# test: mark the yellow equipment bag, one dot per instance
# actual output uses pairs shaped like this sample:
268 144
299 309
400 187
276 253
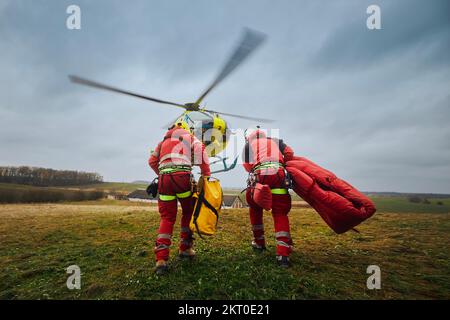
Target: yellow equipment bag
207 206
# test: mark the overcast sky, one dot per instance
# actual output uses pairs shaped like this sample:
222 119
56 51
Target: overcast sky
373 106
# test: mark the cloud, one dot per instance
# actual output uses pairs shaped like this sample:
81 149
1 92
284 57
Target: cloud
407 26
373 106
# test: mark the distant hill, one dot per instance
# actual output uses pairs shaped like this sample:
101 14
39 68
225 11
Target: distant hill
141 182
406 194
46 177
115 187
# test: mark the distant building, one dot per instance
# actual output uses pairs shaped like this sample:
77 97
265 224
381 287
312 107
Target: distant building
141 196
116 196
229 201
232 202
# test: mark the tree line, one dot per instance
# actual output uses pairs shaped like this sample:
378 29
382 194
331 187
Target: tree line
36 194
44 177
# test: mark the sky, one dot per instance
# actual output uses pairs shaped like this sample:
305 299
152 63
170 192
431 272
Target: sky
373 106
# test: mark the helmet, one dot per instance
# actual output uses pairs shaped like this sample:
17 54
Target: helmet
253 132
183 124
249 132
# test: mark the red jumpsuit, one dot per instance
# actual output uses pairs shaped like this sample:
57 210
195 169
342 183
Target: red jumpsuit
172 161
270 154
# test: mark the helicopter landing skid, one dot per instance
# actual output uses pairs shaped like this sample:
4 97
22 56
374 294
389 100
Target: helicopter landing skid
224 162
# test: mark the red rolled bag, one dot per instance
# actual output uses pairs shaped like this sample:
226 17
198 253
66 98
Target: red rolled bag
339 204
262 195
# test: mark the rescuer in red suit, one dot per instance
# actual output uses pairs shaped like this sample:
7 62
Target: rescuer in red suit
264 159
172 161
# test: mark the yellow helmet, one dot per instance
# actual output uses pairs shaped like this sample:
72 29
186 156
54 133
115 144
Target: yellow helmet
183 124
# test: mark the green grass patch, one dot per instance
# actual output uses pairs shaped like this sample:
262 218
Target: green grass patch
112 242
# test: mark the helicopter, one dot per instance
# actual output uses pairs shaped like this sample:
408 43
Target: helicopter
206 124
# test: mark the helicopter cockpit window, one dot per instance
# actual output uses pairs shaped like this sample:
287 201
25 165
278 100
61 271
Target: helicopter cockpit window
199 121
197 117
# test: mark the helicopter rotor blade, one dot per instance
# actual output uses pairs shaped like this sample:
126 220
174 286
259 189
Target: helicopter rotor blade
93 84
250 41
241 117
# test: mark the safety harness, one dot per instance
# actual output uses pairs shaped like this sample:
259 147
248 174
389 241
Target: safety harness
182 195
165 197
268 165
174 166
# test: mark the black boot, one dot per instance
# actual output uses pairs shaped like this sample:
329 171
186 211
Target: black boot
283 262
257 248
161 268
188 254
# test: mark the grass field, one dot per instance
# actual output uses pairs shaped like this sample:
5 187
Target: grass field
397 203
120 187
112 243
402 205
